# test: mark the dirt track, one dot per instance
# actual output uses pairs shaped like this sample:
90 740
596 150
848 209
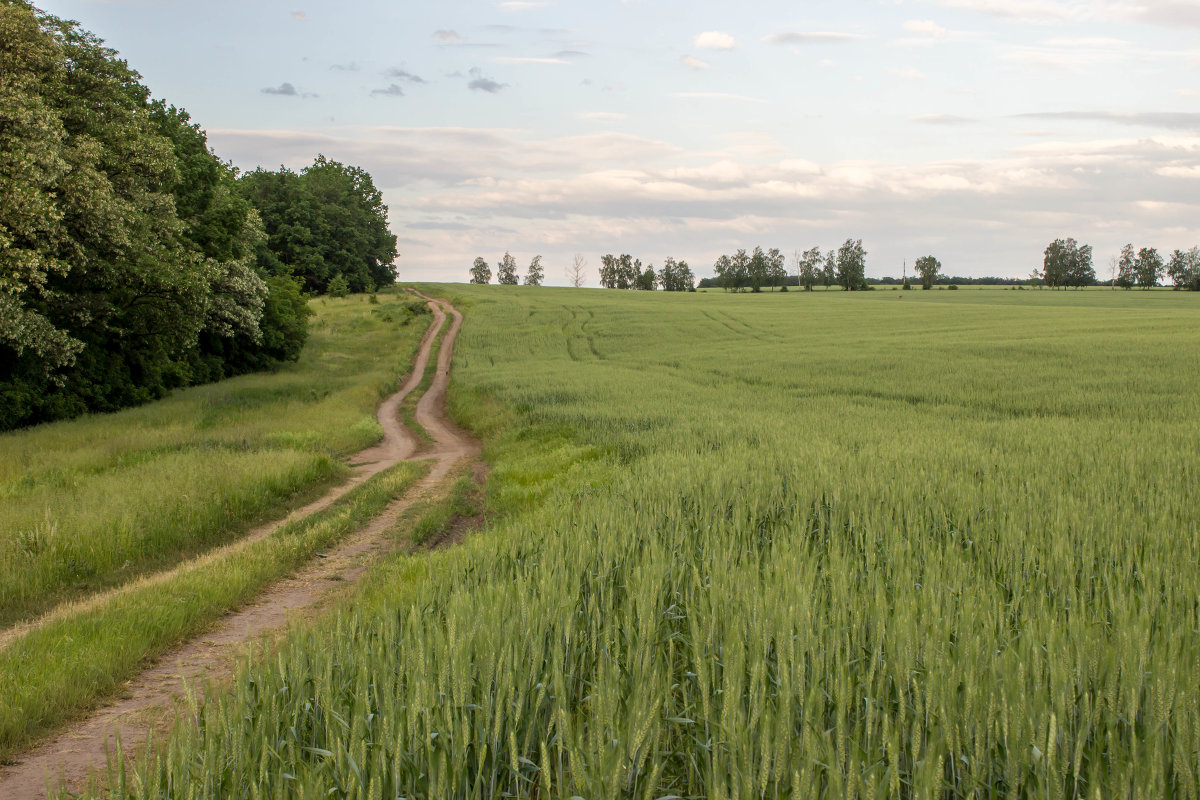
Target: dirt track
149 699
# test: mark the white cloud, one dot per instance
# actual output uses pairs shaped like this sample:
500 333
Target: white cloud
1192 172
715 40
299 15
693 62
925 27
907 73
812 37
528 60
718 96
612 116
521 5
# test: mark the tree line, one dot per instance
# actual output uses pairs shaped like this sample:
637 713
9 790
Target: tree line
616 272
132 259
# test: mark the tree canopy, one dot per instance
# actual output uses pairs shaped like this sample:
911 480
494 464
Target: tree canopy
132 259
1067 263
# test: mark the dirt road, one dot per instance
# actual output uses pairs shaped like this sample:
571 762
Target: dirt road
149 699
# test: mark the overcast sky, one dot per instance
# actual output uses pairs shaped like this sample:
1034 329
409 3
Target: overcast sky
973 130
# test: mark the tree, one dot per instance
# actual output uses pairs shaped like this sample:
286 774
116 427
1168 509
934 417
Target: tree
647 281
852 265
576 274
808 267
723 266
1126 268
481 273
829 273
928 268
338 287
756 270
739 265
506 270
535 274
676 276
776 269
1149 267
326 220
1184 269
1066 263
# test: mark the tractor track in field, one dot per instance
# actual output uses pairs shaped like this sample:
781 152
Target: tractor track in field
149 701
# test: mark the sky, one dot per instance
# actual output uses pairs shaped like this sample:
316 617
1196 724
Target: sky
977 131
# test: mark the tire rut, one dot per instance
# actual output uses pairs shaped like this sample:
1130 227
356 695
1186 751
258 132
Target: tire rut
149 701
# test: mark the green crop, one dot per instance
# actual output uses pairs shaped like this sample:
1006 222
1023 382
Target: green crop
888 545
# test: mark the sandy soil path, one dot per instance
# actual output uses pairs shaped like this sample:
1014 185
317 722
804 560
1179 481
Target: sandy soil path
149 700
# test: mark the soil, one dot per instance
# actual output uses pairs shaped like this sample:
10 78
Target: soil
151 701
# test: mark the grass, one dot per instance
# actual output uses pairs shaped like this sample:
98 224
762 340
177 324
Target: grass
61 669
922 544
99 501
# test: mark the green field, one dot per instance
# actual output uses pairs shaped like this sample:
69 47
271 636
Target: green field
890 544
99 501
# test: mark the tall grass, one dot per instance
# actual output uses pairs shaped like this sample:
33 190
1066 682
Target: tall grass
101 500
777 546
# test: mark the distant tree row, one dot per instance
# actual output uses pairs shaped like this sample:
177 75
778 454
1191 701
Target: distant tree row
846 267
626 272
506 271
132 259
1146 268
752 271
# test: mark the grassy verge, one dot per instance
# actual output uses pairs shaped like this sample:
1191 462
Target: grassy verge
102 500
60 670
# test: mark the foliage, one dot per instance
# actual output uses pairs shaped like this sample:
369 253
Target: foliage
1149 267
1067 263
338 287
1184 269
619 272
326 220
1127 268
481 273
808 267
820 571
536 273
506 270
852 265
127 255
928 268
676 276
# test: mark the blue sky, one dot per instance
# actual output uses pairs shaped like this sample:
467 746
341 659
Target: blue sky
973 130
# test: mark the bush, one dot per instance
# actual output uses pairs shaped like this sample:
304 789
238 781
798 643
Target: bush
952 286
338 287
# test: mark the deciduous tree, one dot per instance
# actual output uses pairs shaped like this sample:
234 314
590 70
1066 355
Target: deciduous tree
535 273
576 273
852 265
481 273
1127 268
506 270
808 267
1149 267
928 268
1067 263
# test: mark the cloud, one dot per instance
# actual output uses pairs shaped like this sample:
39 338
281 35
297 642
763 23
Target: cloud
448 36
481 83
693 62
299 15
715 40
284 89
1172 120
521 5
942 119
1169 13
812 37
393 90
455 187
570 54
396 72
907 73
602 115
925 27
717 96
528 60
351 67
